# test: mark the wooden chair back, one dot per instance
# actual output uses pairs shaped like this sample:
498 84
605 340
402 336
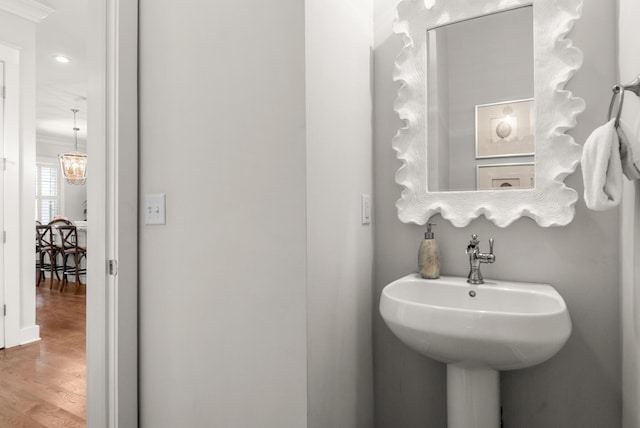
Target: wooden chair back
68 237
60 222
44 237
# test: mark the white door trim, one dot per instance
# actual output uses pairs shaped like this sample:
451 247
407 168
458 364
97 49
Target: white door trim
12 202
112 377
2 160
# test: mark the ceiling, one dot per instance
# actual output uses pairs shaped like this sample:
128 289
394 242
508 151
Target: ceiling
62 87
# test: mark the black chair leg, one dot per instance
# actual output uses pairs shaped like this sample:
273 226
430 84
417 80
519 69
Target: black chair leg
55 265
64 272
76 259
52 265
40 267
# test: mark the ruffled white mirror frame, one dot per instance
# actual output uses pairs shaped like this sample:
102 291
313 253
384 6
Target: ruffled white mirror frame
551 202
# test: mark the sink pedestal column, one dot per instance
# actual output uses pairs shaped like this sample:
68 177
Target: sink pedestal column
473 397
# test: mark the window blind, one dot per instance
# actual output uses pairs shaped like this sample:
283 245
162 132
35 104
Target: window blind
47 192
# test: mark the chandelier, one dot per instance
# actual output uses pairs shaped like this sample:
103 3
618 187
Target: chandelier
74 164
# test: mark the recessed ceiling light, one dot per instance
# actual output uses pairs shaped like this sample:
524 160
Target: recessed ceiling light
62 59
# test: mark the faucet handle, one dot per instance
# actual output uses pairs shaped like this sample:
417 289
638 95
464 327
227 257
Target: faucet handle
474 240
491 241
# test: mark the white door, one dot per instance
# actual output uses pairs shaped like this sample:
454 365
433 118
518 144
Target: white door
112 198
2 307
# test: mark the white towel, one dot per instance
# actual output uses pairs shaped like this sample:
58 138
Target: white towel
629 152
602 168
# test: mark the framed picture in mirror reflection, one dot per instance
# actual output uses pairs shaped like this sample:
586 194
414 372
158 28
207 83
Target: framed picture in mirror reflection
509 176
505 129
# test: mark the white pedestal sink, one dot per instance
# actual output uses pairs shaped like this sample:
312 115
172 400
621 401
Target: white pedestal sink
476 330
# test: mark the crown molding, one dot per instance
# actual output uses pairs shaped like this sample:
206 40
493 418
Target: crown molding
31 10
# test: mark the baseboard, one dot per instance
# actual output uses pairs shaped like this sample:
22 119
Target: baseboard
30 334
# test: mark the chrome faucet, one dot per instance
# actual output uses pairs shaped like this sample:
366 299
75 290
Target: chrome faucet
476 257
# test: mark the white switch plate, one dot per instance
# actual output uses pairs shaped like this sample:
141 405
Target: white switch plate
366 209
154 209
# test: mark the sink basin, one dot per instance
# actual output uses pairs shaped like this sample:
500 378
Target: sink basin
499 325
476 330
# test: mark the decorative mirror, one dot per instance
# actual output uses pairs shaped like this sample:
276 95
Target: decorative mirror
485 111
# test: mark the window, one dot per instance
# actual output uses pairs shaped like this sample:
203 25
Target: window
47 191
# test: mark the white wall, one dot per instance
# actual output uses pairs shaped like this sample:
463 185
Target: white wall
223 283
19 190
579 387
257 292
339 42
73 195
629 63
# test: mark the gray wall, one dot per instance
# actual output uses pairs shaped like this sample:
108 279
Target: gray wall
438 102
579 387
503 64
223 284
629 63
339 42
255 298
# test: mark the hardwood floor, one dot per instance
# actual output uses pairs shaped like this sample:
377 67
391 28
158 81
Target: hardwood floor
42 385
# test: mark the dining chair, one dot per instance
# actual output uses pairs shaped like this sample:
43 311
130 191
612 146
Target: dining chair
55 223
72 255
47 254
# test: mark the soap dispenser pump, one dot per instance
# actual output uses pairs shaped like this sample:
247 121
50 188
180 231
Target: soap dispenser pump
429 255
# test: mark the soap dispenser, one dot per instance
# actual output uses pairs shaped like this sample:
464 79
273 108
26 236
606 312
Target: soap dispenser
429 255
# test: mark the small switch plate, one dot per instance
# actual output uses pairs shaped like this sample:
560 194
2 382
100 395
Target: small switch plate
366 209
154 208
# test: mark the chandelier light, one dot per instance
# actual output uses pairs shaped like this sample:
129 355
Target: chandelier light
74 164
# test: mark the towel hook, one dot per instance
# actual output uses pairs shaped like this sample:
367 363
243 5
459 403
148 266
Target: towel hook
618 94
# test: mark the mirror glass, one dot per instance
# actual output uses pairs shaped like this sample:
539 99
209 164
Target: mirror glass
480 103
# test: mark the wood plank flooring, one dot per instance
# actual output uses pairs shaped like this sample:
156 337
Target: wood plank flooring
42 385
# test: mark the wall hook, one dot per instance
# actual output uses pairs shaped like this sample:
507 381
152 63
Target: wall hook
618 94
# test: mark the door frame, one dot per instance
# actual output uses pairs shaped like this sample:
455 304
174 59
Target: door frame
11 216
2 160
4 59
112 200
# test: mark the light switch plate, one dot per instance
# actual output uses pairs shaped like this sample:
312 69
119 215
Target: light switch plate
366 209
154 208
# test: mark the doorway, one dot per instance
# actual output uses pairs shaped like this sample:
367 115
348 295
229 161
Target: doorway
112 197
112 201
62 77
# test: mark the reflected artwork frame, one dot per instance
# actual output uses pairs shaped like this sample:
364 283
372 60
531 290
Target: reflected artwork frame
505 177
505 129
